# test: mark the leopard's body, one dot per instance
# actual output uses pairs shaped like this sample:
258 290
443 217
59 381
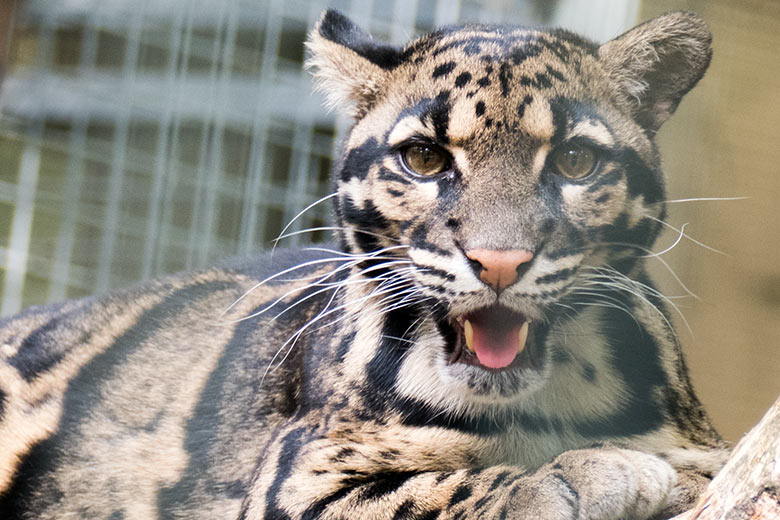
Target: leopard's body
372 381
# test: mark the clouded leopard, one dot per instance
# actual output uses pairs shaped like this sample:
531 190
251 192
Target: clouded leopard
483 342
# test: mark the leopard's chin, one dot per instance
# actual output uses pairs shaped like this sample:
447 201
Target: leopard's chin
504 361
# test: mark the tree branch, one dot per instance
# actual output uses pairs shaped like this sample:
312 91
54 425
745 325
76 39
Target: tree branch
748 486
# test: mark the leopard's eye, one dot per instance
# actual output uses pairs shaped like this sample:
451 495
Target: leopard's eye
425 160
574 160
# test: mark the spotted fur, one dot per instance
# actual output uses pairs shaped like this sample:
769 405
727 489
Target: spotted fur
332 383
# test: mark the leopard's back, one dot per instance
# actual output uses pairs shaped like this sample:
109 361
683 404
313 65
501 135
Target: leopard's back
162 384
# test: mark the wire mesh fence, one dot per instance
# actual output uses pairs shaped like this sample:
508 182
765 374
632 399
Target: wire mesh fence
139 138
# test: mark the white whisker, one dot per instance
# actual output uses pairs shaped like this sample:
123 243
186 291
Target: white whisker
679 238
699 199
396 338
357 255
650 254
347 257
320 280
705 246
373 294
351 280
611 278
334 228
296 217
293 339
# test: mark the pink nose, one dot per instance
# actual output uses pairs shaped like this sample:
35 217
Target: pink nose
499 268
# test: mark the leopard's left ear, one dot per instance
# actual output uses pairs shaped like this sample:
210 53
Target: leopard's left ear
658 62
349 65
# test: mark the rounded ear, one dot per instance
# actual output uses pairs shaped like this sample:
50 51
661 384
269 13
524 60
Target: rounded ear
658 62
348 65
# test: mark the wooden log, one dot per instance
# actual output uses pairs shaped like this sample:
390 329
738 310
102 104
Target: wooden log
748 486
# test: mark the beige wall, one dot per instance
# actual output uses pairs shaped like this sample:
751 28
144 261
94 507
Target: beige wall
8 10
725 141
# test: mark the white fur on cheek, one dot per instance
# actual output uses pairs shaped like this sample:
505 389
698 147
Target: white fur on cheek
572 194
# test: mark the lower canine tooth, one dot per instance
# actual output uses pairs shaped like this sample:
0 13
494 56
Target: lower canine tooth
522 337
469 333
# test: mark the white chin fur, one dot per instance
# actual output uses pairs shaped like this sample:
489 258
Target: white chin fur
427 376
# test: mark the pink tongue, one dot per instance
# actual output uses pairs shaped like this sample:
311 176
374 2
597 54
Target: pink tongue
495 347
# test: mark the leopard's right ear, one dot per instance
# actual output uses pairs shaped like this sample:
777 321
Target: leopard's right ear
658 62
348 65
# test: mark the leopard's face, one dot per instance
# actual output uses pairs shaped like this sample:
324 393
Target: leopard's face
500 173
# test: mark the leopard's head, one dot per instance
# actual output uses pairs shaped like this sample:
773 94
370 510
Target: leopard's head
491 169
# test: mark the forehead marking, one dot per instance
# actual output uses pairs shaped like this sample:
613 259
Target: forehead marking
463 120
505 76
439 115
538 118
594 130
462 79
540 158
407 127
522 104
474 40
443 70
461 158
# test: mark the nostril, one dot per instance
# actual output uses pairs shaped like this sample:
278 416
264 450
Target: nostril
475 265
522 269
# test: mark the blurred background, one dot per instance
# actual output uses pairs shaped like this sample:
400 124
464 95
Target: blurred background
141 137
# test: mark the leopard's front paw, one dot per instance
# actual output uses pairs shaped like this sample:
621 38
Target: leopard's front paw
598 484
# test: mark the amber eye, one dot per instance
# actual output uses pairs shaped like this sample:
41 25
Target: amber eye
425 160
574 160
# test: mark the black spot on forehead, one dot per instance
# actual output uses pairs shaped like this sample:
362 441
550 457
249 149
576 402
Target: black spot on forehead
538 81
509 52
555 73
440 116
522 104
462 79
468 44
502 42
434 111
521 53
505 77
587 46
443 69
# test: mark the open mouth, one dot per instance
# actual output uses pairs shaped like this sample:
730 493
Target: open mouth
494 338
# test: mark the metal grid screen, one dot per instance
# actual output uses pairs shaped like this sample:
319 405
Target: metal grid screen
139 138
